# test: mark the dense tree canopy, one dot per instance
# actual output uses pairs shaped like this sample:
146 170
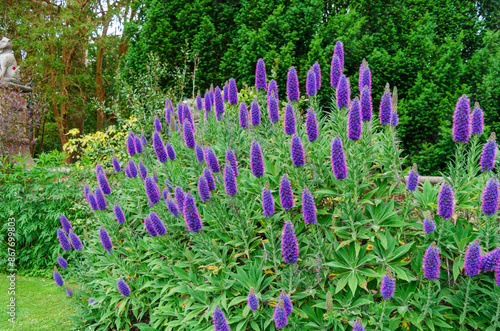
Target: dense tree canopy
433 51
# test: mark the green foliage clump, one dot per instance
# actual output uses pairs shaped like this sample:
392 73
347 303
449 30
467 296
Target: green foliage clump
34 198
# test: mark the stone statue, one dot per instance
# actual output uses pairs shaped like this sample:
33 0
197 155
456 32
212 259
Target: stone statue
9 72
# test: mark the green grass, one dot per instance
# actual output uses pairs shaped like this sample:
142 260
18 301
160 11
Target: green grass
40 305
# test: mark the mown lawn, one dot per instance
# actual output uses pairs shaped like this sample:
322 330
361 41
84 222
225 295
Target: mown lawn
40 305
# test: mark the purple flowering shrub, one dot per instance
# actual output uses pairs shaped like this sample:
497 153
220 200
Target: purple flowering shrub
275 214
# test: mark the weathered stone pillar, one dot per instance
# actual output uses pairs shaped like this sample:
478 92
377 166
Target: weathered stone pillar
13 124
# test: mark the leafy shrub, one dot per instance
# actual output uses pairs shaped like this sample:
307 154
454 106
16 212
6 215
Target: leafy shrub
35 197
369 230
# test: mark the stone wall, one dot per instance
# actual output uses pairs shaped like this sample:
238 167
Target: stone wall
13 128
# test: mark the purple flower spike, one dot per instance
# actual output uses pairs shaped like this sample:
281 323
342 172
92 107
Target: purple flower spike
497 274
131 144
297 151
120 216
203 190
256 160
159 148
101 201
179 198
63 240
132 168
143 170
149 227
461 120
122 287
429 224
386 106
92 202
127 172
152 191
75 241
489 204
233 92
187 116
243 115
230 180
286 193
446 203
105 240
488 155
172 207
311 126
199 103
116 165
358 325
335 71
431 262
225 93
191 215
69 292
289 245
311 83
472 259
199 154
157 224
343 92
365 77
272 90
477 120
339 51
62 262
274 114
231 158
260 75
210 179
317 74
157 124
138 145
255 112
168 109
308 207
208 104
394 118
354 127
252 300
66 225
360 79
267 201
366 104
280 317
490 260
287 303
289 120
388 285
292 85
211 159
412 183
219 320
339 165
180 113
219 103
57 277
189 135
170 151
